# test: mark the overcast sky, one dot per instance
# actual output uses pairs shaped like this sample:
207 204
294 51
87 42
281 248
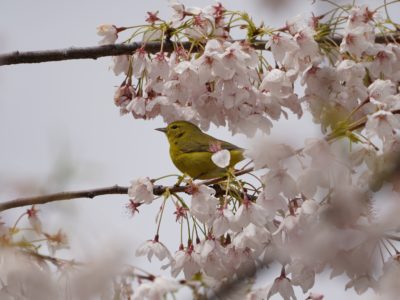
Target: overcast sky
60 130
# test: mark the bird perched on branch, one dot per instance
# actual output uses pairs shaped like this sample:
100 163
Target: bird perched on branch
198 154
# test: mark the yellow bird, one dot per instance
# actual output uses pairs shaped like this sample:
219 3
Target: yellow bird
191 150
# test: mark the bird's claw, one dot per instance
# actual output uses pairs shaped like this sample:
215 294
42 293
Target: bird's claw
180 179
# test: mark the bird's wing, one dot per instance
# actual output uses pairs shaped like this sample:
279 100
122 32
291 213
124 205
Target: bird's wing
195 144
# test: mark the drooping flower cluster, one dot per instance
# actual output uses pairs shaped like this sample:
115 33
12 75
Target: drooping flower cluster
215 87
314 211
222 82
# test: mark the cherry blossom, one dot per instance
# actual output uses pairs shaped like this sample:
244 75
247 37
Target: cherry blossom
387 280
359 32
380 92
120 64
282 286
108 32
315 296
279 181
253 237
140 62
288 224
210 257
309 181
186 261
309 207
277 82
204 203
179 12
247 213
156 289
284 49
123 96
273 158
361 284
383 124
153 247
383 62
309 53
221 158
222 221
34 219
319 151
301 275
57 241
141 190
357 41
271 204
159 66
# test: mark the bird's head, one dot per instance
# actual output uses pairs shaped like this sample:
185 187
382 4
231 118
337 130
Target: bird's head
179 129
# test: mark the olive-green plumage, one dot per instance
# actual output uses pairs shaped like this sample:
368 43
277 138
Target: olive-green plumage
191 150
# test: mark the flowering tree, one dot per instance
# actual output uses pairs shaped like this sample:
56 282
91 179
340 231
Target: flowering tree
307 210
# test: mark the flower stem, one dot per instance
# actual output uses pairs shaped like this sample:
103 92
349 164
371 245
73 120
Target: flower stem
17 221
161 215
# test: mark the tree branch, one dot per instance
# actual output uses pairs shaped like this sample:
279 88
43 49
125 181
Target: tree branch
30 57
158 190
91 52
80 53
54 260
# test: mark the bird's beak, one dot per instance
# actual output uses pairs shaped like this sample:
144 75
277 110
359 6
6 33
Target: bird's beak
162 129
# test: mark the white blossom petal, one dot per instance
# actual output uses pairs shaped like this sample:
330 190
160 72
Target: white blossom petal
221 158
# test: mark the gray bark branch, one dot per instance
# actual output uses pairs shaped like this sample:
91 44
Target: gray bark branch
31 57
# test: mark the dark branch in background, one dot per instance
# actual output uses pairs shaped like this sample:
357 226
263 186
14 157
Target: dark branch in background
116 189
30 57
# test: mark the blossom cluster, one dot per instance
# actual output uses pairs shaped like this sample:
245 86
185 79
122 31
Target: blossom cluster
314 210
222 83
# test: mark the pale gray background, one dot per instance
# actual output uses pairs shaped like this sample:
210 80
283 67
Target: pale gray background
60 130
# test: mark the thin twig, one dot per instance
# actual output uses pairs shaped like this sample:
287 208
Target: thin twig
54 260
158 190
355 126
62 196
95 52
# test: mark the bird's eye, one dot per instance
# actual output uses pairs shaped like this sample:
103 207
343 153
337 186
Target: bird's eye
174 126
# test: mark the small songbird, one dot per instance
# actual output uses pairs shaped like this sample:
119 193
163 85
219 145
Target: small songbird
191 150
